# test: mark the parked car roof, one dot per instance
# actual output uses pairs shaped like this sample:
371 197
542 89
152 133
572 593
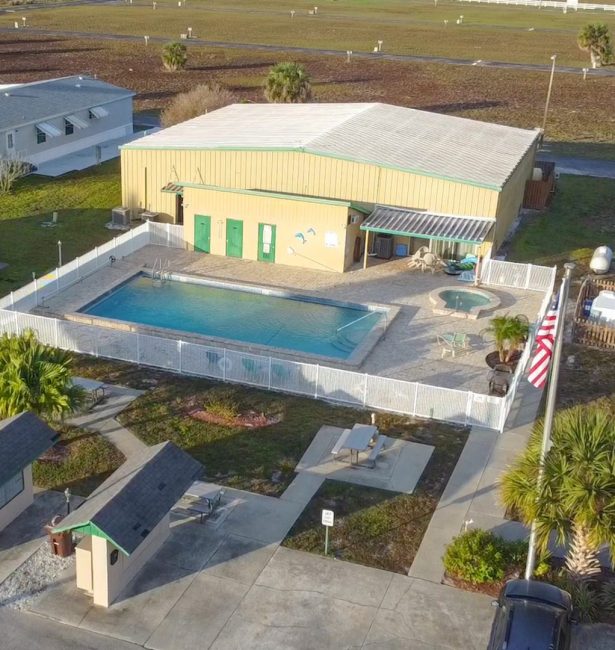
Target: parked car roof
538 591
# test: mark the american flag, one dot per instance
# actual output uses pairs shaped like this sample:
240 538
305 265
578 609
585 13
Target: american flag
545 339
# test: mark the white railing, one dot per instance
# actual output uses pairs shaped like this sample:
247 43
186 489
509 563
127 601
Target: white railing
497 273
322 382
40 289
555 4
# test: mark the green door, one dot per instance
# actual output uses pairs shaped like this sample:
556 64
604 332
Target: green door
202 233
266 242
234 238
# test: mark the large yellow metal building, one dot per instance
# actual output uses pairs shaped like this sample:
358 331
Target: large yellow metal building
315 185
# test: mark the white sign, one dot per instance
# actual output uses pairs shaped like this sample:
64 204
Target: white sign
327 517
331 240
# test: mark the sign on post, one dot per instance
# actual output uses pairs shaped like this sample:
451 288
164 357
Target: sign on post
327 521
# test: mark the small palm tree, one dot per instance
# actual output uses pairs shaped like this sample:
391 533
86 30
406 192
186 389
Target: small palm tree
174 56
509 332
596 39
576 500
35 377
288 83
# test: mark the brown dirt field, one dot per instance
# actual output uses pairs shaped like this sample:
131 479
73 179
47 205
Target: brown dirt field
580 111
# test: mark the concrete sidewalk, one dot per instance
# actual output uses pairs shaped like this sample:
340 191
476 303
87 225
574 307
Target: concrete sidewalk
101 418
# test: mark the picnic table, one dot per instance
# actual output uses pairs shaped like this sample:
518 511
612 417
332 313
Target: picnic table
356 440
96 389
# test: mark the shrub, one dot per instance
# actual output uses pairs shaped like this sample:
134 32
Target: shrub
201 99
174 56
222 407
480 557
584 601
607 596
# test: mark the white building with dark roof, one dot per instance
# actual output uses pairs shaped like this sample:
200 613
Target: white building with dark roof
43 121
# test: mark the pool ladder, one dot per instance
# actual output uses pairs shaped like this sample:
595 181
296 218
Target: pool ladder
161 271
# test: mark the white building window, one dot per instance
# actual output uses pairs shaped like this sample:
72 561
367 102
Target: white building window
11 489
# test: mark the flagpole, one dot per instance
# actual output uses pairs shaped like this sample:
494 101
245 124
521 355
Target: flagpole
550 406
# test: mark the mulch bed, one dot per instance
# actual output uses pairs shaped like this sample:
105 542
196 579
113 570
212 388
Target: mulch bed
248 420
56 454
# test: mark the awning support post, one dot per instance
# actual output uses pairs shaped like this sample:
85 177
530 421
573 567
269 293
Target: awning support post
366 249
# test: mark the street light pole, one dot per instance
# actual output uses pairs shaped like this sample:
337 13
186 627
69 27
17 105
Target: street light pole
544 119
550 407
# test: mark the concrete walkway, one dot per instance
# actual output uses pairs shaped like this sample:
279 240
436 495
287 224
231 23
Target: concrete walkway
101 418
471 497
580 166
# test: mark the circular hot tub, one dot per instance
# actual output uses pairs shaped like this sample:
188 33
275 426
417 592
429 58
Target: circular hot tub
463 302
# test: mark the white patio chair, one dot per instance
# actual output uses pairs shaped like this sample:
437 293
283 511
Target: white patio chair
431 262
415 259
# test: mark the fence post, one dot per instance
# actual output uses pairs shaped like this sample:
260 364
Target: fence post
269 380
365 391
138 348
416 397
179 351
16 323
224 366
168 225
96 344
527 276
57 337
490 263
469 406
316 384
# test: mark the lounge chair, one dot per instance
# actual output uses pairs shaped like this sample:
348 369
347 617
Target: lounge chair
467 276
415 259
454 343
431 262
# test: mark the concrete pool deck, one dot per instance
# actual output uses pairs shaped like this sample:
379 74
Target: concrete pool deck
409 350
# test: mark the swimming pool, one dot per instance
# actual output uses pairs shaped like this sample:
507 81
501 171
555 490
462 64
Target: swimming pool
251 315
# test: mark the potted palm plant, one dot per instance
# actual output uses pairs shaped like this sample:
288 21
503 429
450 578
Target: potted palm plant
509 333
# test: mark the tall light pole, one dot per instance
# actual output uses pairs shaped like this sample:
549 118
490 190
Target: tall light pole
544 119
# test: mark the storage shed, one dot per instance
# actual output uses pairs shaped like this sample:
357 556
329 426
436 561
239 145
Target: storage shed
126 519
296 183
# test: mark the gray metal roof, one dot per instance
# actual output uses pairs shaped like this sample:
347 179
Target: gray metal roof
39 100
429 225
136 497
23 438
433 144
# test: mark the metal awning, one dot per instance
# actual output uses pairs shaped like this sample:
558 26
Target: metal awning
77 122
428 225
99 111
173 188
49 130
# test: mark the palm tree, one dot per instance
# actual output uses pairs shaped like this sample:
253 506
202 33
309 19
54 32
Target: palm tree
509 332
288 83
35 377
576 500
596 39
174 56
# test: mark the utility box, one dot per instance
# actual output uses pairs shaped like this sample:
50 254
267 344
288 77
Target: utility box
120 216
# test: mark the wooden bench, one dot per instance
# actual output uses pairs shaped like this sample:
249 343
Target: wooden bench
377 448
340 442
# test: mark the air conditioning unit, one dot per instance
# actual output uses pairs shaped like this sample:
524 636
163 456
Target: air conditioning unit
120 217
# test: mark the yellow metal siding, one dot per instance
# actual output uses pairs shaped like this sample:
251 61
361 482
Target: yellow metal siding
297 173
289 216
511 196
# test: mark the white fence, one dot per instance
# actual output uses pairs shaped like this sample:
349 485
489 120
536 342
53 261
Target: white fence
552 4
530 277
332 384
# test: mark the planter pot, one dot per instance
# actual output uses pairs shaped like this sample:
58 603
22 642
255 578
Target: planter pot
493 359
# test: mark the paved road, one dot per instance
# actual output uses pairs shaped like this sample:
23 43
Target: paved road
259 47
581 166
21 631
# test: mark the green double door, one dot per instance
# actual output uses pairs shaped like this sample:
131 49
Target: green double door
266 242
202 233
234 238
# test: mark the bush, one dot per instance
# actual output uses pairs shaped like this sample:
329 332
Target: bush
478 556
174 56
607 596
584 601
222 407
199 100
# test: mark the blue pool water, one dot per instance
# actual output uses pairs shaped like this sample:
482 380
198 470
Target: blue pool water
283 322
463 300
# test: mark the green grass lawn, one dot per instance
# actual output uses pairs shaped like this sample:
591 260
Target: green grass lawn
247 458
580 219
82 460
515 34
83 201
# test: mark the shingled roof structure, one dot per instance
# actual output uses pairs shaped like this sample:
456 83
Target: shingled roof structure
136 497
23 438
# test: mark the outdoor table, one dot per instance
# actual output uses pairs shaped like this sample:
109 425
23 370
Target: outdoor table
359 439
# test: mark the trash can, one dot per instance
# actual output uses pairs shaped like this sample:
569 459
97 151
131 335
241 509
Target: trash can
61 543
